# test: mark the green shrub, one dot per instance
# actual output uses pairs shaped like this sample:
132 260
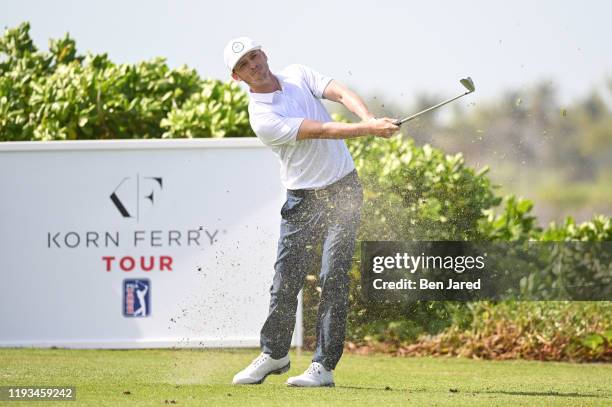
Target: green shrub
219 110
599 229
579 266
413 193
419 193
571 331
416 193
513 223
60 95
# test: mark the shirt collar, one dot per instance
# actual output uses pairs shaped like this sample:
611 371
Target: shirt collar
267 97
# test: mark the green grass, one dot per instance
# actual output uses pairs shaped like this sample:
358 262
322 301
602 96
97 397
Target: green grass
202 377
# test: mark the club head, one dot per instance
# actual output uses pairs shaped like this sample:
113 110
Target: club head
468 84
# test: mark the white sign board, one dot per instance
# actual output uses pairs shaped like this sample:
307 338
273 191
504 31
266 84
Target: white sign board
139 243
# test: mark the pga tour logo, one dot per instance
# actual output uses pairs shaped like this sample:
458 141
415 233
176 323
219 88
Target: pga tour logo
136 297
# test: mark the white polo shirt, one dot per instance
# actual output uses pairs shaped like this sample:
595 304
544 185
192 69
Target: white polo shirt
276 118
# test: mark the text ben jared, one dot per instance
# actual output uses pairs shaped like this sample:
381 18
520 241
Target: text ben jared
412 264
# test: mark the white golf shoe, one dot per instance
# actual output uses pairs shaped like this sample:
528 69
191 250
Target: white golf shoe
260 368
315 376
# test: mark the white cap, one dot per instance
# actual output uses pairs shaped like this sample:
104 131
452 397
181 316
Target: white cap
236 49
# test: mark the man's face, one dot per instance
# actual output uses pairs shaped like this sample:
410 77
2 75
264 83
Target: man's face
252 68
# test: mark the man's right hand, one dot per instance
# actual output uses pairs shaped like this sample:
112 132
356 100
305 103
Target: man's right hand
384 127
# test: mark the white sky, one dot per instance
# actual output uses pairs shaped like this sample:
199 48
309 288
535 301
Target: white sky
392 49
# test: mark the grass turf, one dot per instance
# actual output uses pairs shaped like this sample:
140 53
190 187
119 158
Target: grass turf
201 378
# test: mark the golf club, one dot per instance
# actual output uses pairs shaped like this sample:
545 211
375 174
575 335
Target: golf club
466 82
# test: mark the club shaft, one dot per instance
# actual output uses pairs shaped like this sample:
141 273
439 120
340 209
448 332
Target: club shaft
431 108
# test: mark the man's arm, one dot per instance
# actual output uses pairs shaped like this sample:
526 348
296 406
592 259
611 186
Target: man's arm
312 129
337 92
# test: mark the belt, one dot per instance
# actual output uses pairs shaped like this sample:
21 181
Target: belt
325 192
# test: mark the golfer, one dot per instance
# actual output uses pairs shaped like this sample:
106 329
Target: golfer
323 204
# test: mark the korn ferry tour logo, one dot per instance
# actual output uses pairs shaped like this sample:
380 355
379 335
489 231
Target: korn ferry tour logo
150 250
136 297
130 193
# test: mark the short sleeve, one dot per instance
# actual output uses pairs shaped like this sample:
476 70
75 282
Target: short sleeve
315 81
274 130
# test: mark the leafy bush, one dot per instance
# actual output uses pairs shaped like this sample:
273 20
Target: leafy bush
581 269
513 223
219 110
60 95
572 331
599 229
419 193
414 193
543 330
